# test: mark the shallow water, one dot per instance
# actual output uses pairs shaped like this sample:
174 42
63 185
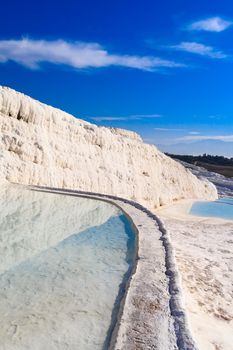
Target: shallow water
222 208
226 200
64 261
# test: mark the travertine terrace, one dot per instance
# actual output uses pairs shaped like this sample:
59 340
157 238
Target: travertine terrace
42 145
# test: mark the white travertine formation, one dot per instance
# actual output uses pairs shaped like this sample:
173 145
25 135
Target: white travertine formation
42 145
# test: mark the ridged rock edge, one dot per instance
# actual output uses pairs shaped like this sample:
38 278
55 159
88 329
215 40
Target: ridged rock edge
41 145
152 313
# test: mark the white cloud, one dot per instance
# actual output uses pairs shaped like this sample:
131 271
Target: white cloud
194 132
212 24
226 138
125 118
104 118
199 49
176 129
167 129
142 116
78 55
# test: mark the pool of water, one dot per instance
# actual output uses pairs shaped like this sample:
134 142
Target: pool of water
64 262
221 208
226 200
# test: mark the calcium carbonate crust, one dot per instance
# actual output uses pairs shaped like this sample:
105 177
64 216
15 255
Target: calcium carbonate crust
42 145
151 313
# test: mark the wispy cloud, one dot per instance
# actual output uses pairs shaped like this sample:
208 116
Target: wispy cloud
194 133
79 55
200 49
99 119
168 129
226 138
124 118
176 129
212 24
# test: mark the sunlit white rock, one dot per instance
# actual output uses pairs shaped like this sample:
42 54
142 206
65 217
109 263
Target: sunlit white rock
42 145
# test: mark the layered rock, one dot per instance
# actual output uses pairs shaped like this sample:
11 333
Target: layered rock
42 145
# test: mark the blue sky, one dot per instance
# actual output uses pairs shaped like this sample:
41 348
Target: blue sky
161 68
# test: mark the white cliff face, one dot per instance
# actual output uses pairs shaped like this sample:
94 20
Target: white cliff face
42 145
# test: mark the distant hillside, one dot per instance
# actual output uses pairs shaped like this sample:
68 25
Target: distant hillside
217 164
213 147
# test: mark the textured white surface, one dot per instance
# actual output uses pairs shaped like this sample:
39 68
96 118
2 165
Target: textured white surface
42 145
204 254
